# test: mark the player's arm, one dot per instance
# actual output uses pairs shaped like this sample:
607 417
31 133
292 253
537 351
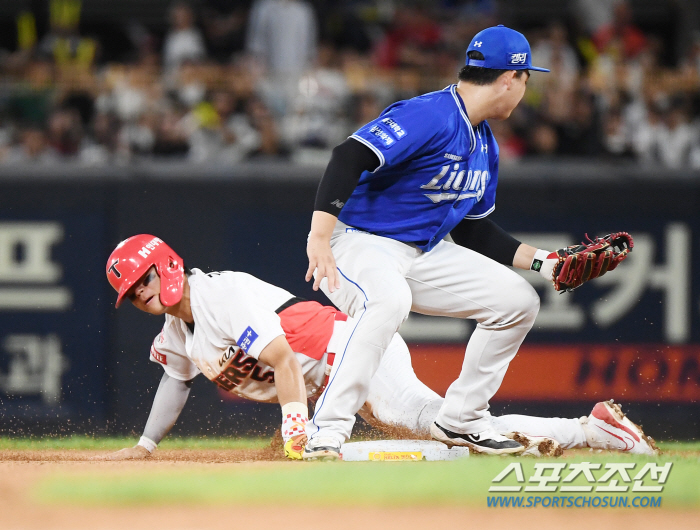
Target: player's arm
487 238
289 380
291 393
348 161
168 403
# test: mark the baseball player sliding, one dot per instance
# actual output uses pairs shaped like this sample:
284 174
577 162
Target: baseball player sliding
424 169
260 342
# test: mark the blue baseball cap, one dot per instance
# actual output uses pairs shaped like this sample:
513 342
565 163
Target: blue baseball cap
503 49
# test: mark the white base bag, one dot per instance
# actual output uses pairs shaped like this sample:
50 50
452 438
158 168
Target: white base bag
400 451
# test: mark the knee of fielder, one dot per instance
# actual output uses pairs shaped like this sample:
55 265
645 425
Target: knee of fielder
522 309
390 308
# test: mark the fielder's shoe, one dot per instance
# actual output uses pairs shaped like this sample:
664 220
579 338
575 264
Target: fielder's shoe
486 442
538 446
323 448
608 428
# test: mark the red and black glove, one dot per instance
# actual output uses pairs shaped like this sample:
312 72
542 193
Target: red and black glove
580 263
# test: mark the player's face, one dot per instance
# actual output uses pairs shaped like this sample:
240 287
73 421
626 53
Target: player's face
145 293
513 95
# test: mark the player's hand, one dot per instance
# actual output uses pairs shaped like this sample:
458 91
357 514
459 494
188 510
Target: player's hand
294 447
319 251
322 261
138 452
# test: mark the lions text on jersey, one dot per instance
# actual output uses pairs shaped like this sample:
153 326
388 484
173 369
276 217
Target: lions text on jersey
435 170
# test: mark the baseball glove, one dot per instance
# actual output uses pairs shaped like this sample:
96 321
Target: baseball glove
579 263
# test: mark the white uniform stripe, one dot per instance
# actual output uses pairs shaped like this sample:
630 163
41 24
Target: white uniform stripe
338 362
472 136
481 216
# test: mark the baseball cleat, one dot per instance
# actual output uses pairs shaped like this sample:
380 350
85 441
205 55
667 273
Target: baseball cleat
323 448
486 442
538 446
607 427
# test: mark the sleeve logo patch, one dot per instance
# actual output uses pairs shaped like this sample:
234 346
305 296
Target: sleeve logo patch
384 136
517 58
160 357
394 128
247 339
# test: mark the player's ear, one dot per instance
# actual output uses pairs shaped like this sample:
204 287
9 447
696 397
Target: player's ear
505 80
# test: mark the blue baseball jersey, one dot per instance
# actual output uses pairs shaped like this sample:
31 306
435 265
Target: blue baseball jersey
435 170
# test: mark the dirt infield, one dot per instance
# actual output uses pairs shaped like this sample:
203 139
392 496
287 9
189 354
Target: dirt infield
20 471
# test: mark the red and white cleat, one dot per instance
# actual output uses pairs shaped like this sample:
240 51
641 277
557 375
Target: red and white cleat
607 427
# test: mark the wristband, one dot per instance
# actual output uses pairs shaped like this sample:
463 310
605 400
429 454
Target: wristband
539 259
544 263
149 444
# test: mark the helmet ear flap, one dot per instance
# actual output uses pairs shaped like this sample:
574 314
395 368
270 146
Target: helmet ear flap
172 278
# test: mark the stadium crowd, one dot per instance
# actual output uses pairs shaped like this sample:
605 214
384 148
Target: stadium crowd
290 79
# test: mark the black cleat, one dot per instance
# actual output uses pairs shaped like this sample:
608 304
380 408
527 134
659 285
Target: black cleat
486 442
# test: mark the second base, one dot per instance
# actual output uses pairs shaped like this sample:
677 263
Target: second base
400 451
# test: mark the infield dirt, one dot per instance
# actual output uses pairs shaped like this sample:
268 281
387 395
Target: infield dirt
21 471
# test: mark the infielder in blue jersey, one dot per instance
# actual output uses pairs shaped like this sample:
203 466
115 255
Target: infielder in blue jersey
426 168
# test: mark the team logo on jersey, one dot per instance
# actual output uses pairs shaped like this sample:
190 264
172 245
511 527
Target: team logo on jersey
240 367
160 357
113 268
246 340
517 58
460 184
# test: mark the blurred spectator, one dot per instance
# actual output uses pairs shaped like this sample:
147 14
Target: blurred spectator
410 41
262 120
184 41
171 136
32 98
511 147
63 43
65 131
138 137
690 63
282 36
580 135
544 141
33 148
676 137
317 117
595 14
615 133
555 51
102 145
224 25
240 138
620 38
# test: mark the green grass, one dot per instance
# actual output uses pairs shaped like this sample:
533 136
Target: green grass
79 442
459 483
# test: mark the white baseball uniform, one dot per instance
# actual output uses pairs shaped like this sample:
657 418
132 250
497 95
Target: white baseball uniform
382 280
235 318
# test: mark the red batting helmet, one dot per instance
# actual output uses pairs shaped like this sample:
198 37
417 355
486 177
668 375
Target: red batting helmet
134 256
